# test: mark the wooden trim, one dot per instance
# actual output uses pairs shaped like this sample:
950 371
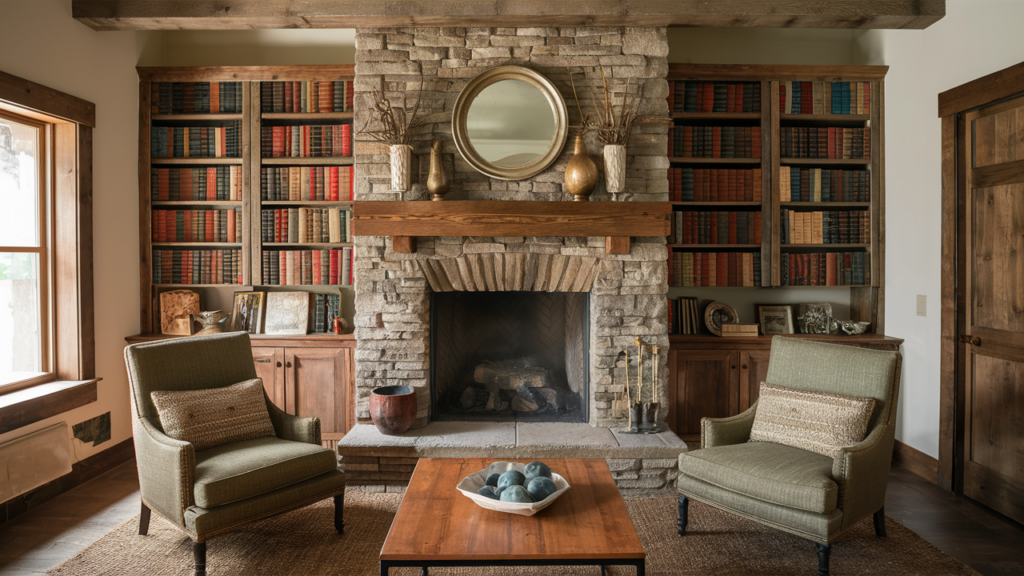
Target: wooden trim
23 93
776 72
246 14
984 90
40 402
947 346
246 73
913 460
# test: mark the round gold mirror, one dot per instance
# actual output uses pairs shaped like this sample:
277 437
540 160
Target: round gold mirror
510 123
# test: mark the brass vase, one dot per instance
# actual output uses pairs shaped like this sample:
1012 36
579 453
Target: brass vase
581 173
437 181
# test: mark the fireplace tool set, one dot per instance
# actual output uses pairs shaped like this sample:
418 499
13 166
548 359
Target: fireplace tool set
639 399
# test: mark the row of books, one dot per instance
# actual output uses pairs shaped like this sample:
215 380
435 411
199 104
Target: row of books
714 184
196 141
326 307
830 227
716 141
683 317
716 228
307 267
331 183
327 96
211 183
197 266
826 269
304 225
696 96
813 142
197 225
825 97
196 97
823 185
306 141
714 269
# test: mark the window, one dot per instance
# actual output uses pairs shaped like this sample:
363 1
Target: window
25 329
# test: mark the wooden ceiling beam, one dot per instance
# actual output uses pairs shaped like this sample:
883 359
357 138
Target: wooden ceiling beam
248 14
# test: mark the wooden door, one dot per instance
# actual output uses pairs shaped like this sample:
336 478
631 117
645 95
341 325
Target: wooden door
316 384
270 367
706 385
992 335
753 371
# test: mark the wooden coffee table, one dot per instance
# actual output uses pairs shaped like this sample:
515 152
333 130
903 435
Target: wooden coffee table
437 526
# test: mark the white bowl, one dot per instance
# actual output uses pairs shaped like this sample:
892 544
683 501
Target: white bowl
470 484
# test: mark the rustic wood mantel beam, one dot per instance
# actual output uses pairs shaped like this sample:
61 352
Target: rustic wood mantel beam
248 14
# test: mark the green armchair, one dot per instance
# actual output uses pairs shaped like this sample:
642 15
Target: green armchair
220 489
794 490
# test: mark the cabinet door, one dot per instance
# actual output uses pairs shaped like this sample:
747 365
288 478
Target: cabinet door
706 387
317 381
753 371
270 367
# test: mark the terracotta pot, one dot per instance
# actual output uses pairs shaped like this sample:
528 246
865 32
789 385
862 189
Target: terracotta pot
615 168
393 408
401 167
437 181
581 173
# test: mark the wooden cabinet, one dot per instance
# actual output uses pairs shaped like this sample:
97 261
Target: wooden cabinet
753 371
270 368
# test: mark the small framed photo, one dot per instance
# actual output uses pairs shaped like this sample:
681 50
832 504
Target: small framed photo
247 312
775 318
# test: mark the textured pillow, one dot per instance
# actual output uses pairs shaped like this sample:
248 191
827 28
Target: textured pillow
815 421
215 416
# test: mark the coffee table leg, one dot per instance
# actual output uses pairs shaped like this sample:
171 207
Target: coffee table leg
423 572
602 571
384 568
640 568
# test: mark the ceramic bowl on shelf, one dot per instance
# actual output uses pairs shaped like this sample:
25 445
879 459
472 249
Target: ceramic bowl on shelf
474 482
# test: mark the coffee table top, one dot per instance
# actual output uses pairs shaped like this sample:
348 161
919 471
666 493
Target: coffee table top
436 522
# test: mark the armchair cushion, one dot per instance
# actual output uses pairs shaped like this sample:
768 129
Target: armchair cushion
773 473
241 470
817 421
215 416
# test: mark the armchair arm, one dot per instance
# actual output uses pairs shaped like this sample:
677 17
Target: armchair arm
862 473
167 470
294 428
727 431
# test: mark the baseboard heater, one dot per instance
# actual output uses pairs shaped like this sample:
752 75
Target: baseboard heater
34 459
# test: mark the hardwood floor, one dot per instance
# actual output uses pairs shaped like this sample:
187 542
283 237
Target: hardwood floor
59 529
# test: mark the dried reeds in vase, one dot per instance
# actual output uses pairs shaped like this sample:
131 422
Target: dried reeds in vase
396 129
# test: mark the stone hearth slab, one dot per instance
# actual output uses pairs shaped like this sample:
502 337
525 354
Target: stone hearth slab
570 436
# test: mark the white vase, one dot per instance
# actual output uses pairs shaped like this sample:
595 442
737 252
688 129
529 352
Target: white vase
401 167
615 168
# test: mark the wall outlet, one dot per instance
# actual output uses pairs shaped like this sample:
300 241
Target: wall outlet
922 305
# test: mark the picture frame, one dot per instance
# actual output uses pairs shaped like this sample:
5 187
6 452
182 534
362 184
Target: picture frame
775 318
247 312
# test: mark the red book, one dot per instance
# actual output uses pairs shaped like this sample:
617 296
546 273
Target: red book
288 97
316 267
806 98
722 270
732 228
335 269
332 194
210 215
708 104
231 225
278 146
716 141
814 270
351 185
297 104
214 97
187 234
346 140
730 97
705 272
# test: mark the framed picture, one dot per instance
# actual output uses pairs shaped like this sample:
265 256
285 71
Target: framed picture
775 318
288 312
247 312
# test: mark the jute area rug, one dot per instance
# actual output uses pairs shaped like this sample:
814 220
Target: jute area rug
304 542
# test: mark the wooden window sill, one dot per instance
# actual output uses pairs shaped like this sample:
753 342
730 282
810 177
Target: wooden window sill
23 407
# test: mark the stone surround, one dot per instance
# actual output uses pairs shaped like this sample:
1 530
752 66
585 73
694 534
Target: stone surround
392 289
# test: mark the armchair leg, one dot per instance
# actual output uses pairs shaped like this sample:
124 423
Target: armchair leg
684 514
880 522
339 513
144 520
199 552
823 553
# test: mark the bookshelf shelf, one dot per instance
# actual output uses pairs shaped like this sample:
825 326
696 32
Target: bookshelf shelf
215 245
310 203
199 161
193 117
826 247
826 118
317 161
314 245
165 285
712 247
716 115
682 160
825 205
306 115
825 161
170 203
722 204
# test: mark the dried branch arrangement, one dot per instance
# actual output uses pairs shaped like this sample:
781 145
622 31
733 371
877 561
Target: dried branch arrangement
612 122
397 125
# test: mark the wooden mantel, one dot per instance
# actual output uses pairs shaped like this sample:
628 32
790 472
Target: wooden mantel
248 14
404 221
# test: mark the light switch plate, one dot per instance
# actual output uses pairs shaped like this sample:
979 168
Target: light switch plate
922 305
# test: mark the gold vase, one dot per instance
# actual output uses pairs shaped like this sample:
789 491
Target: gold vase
437 181
581 173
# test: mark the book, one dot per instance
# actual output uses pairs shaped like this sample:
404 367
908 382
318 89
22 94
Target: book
698 96
318 96
717 142
196 97
196 141
197 225
306 141
321 267
330 183
176 266
738 329
818 97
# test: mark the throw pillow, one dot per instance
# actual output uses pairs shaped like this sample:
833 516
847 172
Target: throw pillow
815 421
215 416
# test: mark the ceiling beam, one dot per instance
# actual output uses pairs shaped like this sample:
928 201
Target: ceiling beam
248 14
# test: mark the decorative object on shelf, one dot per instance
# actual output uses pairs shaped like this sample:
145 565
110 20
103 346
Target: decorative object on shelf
510 123
581 172
401 167
339 325
513 498
739 329
718 313
853 328
393 408
396 127
815 318
437 181
176 310
247 312
775 319
210 322
615 169
639 398
288 312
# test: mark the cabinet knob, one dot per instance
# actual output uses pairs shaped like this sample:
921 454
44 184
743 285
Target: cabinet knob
734 367
744 367
289 365
972 340
278 364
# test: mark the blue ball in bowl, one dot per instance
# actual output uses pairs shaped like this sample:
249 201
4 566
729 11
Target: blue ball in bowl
492 480
511 478
487 491
537 470
516 493
540 488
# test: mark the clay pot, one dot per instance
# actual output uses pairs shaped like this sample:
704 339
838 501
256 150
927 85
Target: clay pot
437 181
615 168
401 167
393 408
581 173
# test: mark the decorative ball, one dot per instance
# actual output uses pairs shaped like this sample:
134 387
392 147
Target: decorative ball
516 493
537 470
511 478
492 480
487 491
540 488
498 491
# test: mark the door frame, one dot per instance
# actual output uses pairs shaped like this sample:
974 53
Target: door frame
954 104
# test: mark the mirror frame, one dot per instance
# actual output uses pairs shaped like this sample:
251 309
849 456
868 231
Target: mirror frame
473 89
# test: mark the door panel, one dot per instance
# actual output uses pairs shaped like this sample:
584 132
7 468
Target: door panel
317 385
753 371
706 386
270 367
